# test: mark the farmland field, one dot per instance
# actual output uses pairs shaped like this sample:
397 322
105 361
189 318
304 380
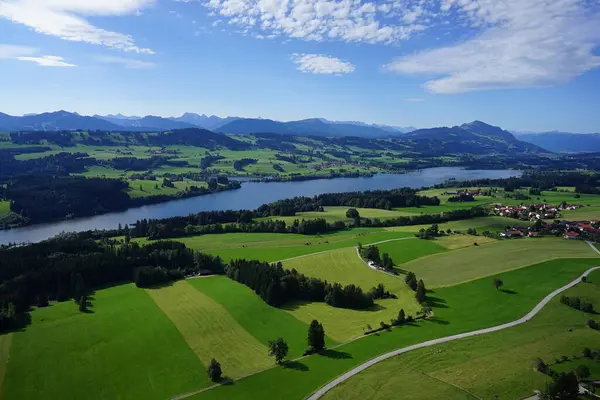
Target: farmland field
210 331
262 321
494 366
460 308
125 348
4 207
279 246
345 267
475 262
402 251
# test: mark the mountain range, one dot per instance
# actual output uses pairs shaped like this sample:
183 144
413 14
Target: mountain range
474 137
563 142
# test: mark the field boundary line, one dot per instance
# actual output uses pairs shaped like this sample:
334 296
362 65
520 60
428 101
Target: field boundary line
342 378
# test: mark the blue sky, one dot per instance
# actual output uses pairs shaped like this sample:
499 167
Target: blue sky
523 65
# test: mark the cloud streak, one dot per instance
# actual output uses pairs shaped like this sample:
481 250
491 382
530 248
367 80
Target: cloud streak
520 44
24 53
321 64
65 19
128 63
48 61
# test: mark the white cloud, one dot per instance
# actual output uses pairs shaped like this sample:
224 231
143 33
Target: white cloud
24 53
520 44
64 19
359 21
126 62
414 99
48 61
321 64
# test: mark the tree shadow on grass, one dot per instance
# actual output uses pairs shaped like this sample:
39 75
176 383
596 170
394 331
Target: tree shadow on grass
436 302
438 321
226 381
295 365
160 285
508 291
338 355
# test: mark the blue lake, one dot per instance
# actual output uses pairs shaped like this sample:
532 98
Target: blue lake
250 196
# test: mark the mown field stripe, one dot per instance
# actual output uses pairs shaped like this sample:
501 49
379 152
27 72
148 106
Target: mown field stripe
254 315
209 330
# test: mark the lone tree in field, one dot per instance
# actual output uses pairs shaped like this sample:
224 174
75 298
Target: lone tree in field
278 348
352 213
214 371
420 295
401 316
564 386
83 303
316 336
498 283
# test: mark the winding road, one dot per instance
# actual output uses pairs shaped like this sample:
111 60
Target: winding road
324 389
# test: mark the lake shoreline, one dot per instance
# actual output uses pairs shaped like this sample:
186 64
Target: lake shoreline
249 196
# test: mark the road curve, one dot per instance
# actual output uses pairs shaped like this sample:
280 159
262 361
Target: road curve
319 393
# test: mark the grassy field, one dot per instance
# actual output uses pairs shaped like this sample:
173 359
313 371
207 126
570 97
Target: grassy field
492 224
126 349
345 267
281 246
4 207
494 366
210 331
5 342
403 251
461 308
454 242
259 319
463 265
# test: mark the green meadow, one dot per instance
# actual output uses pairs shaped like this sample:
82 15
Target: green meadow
4 207
478 261
124 348
494 366
259 319
209 330
461 308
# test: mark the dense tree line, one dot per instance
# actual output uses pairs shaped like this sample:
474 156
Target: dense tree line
383 199
276 285
41 198
239 165
207 161
59 268
577 303
142 164
61 164
584 182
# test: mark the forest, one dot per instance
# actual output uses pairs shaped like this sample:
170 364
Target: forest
55 269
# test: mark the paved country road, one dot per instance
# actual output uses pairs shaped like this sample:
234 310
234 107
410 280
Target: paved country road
319 393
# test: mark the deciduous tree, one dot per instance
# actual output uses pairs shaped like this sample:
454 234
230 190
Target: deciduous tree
278 348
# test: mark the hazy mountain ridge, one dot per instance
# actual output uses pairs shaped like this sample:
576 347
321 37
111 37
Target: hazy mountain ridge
306 127
563 142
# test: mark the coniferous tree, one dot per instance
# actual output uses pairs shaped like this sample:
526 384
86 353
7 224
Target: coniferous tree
316 336
83 303
401 316
214 371
421 292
